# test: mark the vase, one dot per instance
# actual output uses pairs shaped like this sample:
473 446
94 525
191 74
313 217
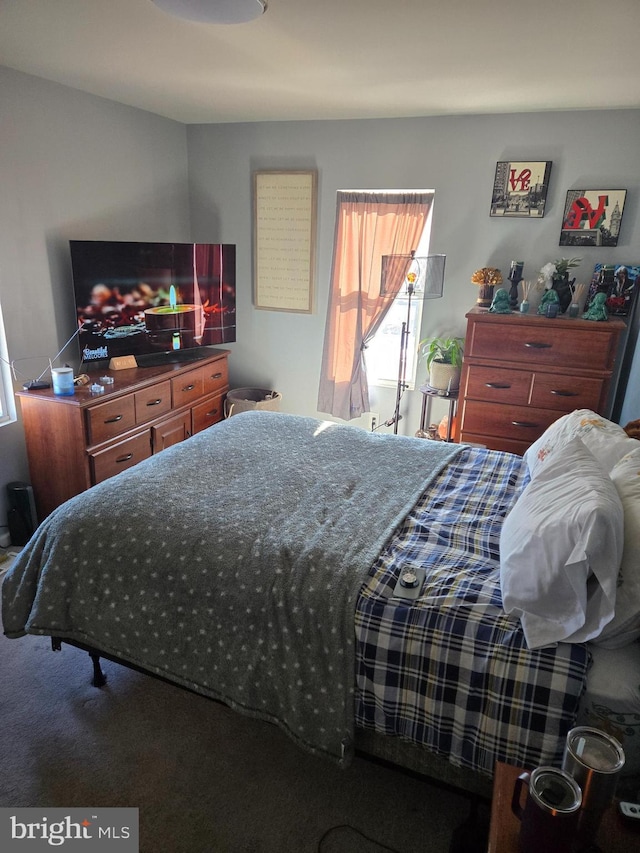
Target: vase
574 309
444 377
524 306
562 287
551 310
485 296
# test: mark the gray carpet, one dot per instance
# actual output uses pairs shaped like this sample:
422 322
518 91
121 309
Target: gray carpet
205 779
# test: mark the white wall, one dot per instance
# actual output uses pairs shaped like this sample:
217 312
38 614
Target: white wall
72 166
454 155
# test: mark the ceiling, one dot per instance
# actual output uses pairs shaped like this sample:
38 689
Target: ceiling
335 59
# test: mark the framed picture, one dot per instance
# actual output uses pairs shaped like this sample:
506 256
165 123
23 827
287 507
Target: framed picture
620 282
284 239
592 217
520 189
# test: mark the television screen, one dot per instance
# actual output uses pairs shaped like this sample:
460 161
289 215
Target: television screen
152 298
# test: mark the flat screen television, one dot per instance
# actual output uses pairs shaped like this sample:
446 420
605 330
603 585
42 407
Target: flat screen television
156 301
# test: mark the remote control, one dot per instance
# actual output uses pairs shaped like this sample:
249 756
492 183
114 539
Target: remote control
630 810
409 584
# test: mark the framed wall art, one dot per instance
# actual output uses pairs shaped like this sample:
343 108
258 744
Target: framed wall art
620 282
592 217
520 188
284 239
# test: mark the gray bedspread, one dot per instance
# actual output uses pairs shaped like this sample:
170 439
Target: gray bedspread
231 564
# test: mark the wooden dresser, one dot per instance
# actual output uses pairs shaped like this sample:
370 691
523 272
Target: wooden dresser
75 442
521 372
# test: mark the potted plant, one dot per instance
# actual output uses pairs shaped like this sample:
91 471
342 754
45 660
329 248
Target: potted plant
555 276
443 356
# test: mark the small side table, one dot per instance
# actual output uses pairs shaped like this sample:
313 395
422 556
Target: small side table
451 396
614 836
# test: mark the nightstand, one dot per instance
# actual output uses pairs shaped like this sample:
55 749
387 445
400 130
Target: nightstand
615 834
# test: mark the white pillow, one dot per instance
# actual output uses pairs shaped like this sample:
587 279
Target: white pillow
560 549
607 441
624 628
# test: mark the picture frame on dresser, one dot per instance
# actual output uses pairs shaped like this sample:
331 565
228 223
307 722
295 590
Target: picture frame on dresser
620 283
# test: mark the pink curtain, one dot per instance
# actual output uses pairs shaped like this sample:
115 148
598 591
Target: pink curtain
368 226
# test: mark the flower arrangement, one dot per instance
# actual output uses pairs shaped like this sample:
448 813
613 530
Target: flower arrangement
487 275
556 270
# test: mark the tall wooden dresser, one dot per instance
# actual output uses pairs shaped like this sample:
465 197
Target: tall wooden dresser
523 371
78 441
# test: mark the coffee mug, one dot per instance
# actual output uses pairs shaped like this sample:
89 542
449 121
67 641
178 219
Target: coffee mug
594 759
549 817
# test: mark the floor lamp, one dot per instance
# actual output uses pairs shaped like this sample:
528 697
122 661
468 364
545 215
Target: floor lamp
424 279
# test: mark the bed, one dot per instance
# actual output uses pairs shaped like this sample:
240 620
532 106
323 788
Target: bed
367 593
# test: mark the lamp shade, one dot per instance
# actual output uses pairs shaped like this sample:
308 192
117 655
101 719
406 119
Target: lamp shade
421 276
214 11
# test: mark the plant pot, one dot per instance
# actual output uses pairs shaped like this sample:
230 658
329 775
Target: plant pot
561 285
485 296
444 376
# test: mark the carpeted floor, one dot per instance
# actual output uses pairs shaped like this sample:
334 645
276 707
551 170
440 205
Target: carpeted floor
206 780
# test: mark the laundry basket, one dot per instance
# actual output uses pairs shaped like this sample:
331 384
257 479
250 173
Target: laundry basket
247 399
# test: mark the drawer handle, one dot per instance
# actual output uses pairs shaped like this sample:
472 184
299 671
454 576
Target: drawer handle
124 458
212 413
538 345
217 376
527 424
154 402
565 393
498 384
114 420
189 387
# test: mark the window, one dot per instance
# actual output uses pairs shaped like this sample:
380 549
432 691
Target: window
7 405
370 225
383 351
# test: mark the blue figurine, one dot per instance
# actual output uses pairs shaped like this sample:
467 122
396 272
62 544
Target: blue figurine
500 303
598 309
550 298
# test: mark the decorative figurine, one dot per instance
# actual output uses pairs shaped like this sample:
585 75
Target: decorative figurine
550 297
598 309
500 303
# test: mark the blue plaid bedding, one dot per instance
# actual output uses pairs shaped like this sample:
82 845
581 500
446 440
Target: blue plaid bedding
451 670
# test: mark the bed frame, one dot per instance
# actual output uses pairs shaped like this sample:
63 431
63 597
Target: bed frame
393 752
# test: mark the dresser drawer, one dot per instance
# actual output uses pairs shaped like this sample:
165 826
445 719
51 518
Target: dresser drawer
543 344
171 431
216 376
108 420
118 457
152 402
566 393
498 384
207 413
519 423
494 443
188 387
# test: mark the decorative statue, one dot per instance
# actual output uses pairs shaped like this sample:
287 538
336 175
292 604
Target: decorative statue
500 303
598 309
550 298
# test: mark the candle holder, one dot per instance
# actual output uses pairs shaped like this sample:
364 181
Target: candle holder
515 277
